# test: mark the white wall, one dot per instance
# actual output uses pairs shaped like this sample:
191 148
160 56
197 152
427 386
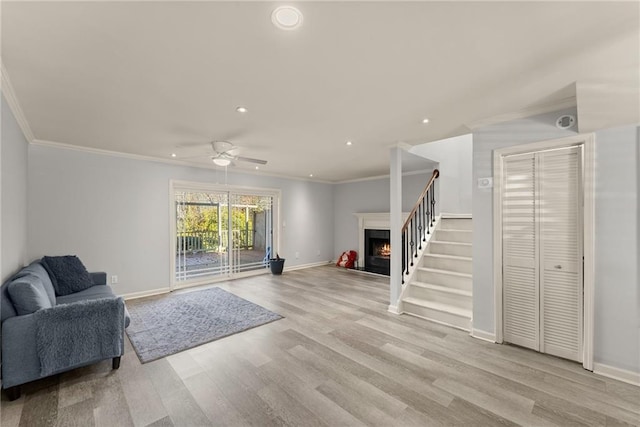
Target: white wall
454 156
13 170
368 196
617 304
113 212
616 281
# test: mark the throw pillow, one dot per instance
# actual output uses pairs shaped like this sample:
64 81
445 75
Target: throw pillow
68 274
28 295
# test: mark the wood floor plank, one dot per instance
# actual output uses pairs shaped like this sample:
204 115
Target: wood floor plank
11 412
213 403
305 393
174 395
110 404
79 414
292 412
368 392
363 410
40 408
338 358
491 404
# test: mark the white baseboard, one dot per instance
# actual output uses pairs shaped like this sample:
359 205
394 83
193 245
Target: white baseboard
623 375
303 266
142 294
483 335
394 309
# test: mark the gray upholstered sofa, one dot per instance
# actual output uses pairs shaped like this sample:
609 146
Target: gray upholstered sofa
45 333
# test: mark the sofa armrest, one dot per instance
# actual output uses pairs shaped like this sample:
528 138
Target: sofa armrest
79 333
99 278
20 363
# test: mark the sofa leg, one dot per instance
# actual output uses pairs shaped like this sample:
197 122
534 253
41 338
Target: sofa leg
116 362
13 393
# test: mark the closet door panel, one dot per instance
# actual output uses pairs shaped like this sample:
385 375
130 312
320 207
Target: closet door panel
560 212
520 259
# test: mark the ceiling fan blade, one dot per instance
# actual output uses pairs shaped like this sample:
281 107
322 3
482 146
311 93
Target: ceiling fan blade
250 160
192 144
199 156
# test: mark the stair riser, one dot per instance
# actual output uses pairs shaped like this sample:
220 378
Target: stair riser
457 265
454 236
448 249
456 224
438 316
459 301
447 280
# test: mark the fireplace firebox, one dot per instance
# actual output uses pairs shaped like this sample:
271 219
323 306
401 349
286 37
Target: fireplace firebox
377 251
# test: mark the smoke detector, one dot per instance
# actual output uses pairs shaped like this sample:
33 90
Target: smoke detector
565 122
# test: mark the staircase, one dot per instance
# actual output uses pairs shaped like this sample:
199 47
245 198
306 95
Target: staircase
440 288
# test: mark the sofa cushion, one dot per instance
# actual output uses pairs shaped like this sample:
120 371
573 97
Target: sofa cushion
7 308
28 294
38 270
68 274
94 292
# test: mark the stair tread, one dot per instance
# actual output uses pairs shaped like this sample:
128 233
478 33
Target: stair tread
438 270
462 258
441 288
451 243
439 306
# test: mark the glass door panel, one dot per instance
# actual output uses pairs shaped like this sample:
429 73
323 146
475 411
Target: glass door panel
251 225
201 234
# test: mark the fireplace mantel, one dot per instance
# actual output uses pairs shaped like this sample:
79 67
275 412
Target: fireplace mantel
375 221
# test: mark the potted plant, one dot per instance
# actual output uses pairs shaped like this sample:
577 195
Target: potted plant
276 264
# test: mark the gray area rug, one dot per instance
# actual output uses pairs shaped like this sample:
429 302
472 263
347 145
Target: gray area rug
161 326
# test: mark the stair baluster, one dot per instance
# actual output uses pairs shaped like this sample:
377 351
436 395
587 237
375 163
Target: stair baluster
419 221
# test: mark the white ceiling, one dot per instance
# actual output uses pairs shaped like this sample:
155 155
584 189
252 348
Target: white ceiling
155 78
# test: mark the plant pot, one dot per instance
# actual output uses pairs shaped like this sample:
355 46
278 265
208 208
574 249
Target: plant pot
276 265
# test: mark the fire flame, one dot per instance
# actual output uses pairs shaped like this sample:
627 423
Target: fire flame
384 250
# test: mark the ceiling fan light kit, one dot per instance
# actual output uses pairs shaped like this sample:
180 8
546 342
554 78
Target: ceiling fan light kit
221 161
225 154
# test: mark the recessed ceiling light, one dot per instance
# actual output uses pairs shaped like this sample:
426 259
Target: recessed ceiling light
286 18
257 167
241 110
174 155
349 143
425 121
310 175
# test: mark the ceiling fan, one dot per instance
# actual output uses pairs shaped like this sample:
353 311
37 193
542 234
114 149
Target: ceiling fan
225 153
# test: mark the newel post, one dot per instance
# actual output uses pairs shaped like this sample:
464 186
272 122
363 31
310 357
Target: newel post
395 226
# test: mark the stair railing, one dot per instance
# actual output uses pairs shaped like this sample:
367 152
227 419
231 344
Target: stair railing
418 224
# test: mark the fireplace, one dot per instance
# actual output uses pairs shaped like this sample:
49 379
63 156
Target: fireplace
377 251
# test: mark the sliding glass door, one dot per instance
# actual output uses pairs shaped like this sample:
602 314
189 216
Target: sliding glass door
251 225
220 233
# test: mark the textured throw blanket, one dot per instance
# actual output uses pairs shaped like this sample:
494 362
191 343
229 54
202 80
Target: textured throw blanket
75 334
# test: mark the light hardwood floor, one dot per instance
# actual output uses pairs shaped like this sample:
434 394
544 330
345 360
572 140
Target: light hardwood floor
337 359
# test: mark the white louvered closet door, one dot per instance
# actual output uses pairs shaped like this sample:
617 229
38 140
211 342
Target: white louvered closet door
519 252
542 251
560 218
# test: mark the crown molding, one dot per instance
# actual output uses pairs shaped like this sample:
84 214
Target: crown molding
14 105
560 104
172 162
374 178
